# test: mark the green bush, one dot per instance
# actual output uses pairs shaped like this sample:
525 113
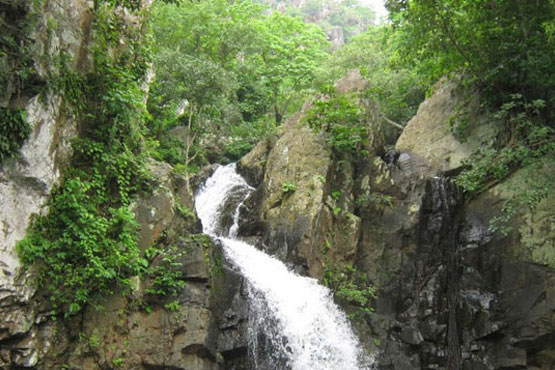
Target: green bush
167 279
342 119
15 130
350 287
85 246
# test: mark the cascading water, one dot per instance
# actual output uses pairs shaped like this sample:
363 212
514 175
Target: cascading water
293 322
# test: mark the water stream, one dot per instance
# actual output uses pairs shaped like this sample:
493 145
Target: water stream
293 322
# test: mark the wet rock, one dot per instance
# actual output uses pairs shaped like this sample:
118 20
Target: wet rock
252 165
231 312
411 336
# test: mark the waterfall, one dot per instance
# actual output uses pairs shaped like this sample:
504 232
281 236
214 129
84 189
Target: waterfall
293 322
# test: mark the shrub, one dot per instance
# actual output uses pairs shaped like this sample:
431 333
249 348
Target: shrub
342 119
15 130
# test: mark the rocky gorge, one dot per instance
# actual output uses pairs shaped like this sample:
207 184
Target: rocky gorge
449 293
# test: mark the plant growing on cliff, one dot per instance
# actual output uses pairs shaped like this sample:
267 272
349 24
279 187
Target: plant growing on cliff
288 188
165 274
85 247
15 130
377 199
342 119
350 287
18 76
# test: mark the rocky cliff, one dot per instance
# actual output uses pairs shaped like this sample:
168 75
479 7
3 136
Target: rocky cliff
201 325
28 178
450 293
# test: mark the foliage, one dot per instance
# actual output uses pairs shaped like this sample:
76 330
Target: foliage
15 130
117 362
288 188
350 287
504 45
94 342
17 74
78 252
397 89
350 16
18 77
342 119
222 70
290 56
380 200
530 144
86 245
185 212
167 279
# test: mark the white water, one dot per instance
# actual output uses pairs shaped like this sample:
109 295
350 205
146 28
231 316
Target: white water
293 315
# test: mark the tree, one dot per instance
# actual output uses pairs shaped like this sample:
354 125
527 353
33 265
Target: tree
397 89
505 45
234 65
290 55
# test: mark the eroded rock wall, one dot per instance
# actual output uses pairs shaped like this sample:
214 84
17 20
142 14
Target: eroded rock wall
202 326
26 179
450 293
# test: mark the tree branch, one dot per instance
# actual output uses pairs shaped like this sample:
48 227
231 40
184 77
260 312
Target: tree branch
393 123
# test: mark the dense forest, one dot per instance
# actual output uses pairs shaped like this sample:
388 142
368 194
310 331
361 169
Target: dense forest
227 74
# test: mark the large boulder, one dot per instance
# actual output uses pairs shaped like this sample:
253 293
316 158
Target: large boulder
303 207
429 137
450 293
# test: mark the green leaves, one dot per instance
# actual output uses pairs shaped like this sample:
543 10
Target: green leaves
80 247
85 247
350 287
342 119
223 69
288 188
14 131
504 45
397 89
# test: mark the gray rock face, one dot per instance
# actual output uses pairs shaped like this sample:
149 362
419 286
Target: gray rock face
450 293
429 138
27 179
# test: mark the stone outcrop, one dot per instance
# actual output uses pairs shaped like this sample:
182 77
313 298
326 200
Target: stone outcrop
202 326
302 208
450 293
27 179
429 138
292 204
